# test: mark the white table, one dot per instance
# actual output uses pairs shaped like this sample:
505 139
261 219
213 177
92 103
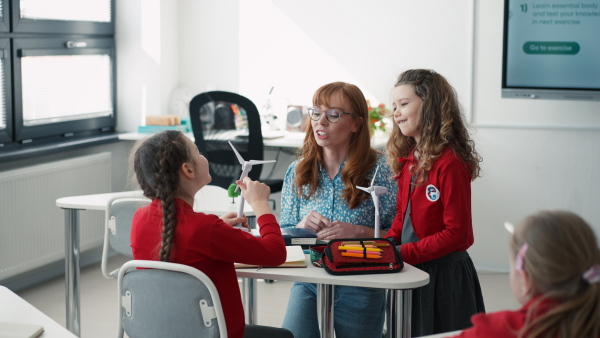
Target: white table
288 140
14 309
210 199
399 284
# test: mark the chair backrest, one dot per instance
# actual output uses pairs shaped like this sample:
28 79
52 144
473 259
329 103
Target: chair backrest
168 300
117 228
217 117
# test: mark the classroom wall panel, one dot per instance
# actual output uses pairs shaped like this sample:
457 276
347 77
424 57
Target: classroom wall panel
32 226
548 170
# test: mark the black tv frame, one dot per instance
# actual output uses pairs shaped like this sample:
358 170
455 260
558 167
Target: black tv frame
538 92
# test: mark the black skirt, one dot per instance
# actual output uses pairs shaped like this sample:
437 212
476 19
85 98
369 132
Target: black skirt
452 296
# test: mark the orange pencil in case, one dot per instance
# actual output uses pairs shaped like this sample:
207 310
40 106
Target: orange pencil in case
362 252
366 243
342 247
360 246
348 254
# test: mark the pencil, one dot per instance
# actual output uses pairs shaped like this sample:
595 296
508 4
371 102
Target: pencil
367 242
341 247
347 254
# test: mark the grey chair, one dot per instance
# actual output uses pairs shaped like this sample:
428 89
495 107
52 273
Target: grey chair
117 228
168 300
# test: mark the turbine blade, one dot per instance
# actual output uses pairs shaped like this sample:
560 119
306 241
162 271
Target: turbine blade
261 162
375 175
239 157
245 171
363 189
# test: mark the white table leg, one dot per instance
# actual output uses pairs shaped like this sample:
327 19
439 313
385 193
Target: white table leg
72 270
399 313
325 296
249 299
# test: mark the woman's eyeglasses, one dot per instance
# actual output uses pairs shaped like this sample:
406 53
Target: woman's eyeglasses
332 115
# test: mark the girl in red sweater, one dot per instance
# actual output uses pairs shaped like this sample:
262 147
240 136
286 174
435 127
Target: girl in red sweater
170 170
435 160
555 274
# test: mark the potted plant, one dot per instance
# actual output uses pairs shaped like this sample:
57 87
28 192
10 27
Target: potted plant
376 117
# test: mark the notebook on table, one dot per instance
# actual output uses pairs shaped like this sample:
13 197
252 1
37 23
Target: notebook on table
296 236
295 259
299 236
20 330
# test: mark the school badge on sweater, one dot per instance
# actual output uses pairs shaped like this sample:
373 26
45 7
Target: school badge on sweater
432 193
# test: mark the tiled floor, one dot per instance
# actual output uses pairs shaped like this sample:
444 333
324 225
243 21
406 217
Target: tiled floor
99 299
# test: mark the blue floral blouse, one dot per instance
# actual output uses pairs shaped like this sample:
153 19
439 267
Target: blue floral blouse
328 201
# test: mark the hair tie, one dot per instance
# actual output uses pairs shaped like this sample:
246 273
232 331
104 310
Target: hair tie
592 275
521 257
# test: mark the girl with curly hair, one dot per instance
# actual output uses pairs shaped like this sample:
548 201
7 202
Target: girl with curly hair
435 161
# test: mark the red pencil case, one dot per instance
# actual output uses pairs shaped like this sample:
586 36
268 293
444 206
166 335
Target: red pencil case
353 256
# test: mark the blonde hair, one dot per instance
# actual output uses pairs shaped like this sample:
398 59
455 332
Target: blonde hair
441 124
561 247
362 157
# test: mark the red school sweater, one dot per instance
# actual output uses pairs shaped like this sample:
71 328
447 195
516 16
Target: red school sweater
440 209
210 245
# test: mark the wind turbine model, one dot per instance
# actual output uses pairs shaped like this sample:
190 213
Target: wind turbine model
246 167
375 191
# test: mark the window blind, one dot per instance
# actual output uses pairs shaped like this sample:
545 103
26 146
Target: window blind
2 95
62 88
69 10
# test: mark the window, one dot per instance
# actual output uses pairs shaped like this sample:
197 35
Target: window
63 16
5 92
58 85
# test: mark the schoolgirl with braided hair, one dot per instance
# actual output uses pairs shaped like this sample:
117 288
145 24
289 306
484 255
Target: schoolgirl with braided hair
555 275
170 171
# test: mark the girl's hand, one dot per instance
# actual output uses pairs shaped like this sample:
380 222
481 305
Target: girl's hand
313 220
232 219
254 191
257 195
338 229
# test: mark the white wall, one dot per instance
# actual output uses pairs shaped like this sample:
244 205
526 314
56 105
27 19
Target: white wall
147 40
295 47
537 154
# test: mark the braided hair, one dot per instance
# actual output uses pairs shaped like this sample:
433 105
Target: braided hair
156 162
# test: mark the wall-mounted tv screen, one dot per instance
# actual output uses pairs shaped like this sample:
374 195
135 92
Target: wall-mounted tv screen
551 50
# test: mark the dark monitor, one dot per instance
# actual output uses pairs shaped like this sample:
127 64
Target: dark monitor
551 50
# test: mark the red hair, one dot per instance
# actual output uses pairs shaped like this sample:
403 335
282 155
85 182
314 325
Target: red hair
361 157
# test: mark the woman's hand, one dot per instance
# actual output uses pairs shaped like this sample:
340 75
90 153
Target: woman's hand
313 220
338 229
232 219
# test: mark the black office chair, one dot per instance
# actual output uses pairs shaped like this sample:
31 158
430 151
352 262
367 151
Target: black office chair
218 117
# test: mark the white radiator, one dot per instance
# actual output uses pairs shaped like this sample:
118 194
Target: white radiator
32 227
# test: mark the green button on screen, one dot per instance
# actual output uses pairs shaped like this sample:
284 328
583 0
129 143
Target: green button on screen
549 47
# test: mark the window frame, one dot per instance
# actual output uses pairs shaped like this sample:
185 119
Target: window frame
19 141
5 54
49 46
59 26
5 21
